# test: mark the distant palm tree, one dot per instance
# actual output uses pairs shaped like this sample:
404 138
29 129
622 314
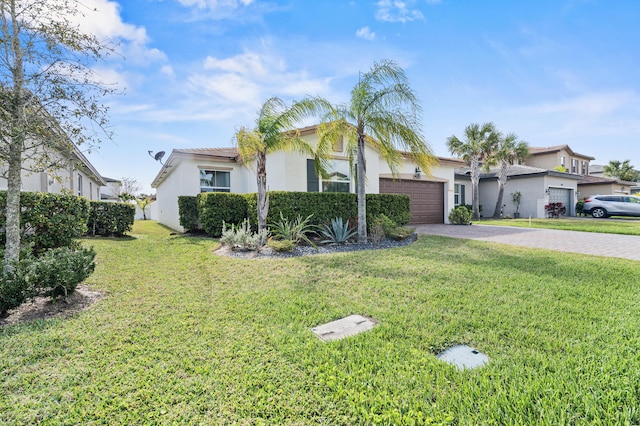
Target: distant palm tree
508 151
621 170
384 112
479 142
275 131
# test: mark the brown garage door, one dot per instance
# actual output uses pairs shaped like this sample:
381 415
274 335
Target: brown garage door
427 198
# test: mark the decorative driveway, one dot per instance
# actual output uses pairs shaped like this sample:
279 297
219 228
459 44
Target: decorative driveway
609 245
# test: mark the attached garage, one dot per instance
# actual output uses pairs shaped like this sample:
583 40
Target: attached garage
427 198
562 195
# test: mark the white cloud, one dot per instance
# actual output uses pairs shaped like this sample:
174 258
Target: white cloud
396 11
216 4
167 70
366 33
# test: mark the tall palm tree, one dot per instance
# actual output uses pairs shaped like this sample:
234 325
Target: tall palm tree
508 151
275 131
384 112
479 142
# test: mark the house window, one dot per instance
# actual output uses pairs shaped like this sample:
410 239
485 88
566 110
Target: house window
79 185
585 169
215 181
339 177
574 165
458 195
563 161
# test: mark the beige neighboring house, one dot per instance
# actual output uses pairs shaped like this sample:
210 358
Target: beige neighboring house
191 171
110 191
599 185
537 180
561 155
79 177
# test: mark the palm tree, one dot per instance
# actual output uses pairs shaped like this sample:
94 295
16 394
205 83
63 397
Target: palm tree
384 112
508 151
621 170
479 142
275 131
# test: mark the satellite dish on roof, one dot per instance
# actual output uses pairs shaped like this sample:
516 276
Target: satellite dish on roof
158 156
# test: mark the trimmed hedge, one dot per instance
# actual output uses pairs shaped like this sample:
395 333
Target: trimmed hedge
214 208
48 220
188 212
110 219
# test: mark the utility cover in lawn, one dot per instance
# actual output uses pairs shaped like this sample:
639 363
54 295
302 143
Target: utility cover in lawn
344 327
463 356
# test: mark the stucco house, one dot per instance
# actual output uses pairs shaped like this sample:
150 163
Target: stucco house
191 171
594 185
78 177
561 155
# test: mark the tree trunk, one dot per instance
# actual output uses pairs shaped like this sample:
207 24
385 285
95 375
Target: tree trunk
475 187
361 190
263 198
14 183
502 181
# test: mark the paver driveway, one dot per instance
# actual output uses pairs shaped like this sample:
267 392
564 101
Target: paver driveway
611 245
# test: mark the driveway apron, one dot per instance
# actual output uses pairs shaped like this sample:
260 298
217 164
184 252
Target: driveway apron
608 245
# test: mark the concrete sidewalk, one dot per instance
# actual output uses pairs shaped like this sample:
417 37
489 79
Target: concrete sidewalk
609 245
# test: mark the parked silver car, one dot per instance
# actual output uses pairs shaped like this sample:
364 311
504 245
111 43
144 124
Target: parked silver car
612 205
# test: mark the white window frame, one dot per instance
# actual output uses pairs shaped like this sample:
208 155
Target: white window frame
337 170
206 188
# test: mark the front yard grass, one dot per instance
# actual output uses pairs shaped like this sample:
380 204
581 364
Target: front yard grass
607 226
188 337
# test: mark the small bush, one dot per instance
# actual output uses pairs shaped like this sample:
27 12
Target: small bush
241 237
111 219
401 232
338 232
281 245
188 212
460 216
14 289
59 271
295 231
390 229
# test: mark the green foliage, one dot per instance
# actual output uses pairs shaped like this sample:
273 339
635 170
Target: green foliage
240 237
281 245
48 220
218 208
390 229
460 216
622 170
324 206
59 271
401 232
560 168
188 212
580 207
111 219
296 230
14 289
338 232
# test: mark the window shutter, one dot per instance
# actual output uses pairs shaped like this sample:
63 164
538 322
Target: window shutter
462 201
313 183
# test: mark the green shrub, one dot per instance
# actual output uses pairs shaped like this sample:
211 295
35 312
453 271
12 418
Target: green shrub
401 232
48 220
59 271
325 206
188 212
338 232
390 229
295 231
281 245
460 216
111 219
14 289
218 208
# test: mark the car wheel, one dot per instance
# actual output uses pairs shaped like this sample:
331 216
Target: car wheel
598 213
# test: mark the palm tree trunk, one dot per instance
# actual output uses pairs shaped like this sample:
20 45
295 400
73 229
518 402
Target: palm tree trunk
263 199
361 191
502 181
475 187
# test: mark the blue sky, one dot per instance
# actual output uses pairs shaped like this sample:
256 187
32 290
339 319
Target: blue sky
552 71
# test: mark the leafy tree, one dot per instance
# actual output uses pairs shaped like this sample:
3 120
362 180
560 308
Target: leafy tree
479 142
49 96
508 151
143 202
128 189
384 112
622 170
275 131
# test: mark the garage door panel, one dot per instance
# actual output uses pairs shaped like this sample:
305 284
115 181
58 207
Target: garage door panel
427 198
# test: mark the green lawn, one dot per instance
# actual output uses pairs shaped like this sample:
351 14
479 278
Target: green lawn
187 337
609 226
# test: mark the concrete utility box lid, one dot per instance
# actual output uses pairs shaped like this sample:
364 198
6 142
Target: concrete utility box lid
344 327
463 356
